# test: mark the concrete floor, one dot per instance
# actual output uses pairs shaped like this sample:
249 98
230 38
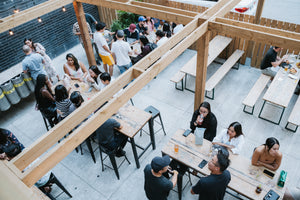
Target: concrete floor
85 180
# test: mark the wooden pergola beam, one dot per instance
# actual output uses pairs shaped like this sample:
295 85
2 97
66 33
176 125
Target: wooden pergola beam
220 9
259 9
34 12
255 35
169 16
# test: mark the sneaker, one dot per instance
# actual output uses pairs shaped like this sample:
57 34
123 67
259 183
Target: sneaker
120 153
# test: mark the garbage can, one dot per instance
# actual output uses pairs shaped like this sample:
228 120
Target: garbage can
4 103
29 81
20 86
10 92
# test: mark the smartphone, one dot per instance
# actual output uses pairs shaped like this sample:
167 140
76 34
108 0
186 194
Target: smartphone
268 173
202 164
186 133
76 85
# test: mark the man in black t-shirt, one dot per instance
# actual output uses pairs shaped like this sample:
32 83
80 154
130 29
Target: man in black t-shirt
213 186
271 61
157 187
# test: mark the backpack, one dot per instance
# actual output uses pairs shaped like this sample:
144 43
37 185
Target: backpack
152 46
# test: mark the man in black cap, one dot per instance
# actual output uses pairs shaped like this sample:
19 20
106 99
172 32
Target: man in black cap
157 187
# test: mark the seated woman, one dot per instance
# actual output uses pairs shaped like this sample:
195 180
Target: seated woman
268 155
74 68
231 138
63 103
94 78
145 47
7 138
45 101
204 118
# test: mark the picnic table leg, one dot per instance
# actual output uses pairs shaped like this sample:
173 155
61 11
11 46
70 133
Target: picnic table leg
277 123
179 186
89 145
136 157
152 134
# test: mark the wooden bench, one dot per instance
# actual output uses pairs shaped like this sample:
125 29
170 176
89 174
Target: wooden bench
255 92
177 78
221 72
294 118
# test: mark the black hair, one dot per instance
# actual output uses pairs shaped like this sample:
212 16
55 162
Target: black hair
96 70
40 82
105 76
223 162
276 47
174 25
3 137
32 43
76 98
206 105
270 142
166 27
61 93
144 40
237 128
159 33
76 63
100 26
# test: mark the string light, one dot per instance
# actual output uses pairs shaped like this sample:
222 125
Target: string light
64 9
39 19
11 32
16 10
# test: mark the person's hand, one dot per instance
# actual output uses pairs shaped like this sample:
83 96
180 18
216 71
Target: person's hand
80 79
90 79
175 172
2 156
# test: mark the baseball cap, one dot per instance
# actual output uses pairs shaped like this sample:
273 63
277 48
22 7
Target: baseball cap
132 27
141 19
158 163
120 33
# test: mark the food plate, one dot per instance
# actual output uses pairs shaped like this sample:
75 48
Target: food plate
293 71
298 64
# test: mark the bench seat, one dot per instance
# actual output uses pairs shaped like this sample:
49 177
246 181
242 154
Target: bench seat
294 117
255 92
177 78
222 71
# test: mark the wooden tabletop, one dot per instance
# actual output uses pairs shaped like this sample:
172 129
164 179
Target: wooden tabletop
216 46
132 119
282 88
83 89
244 177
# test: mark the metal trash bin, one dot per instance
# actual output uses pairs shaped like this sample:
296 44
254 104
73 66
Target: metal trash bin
20 86
10 92
4 103
29 81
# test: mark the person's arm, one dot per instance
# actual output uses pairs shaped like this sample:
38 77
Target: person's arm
237 148
106 48
211 130
275 165
193 123
114 56
83 68
40 49
279 61
255 157
174 178
46 93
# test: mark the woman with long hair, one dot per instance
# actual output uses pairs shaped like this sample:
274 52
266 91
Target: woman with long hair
204 118
38 48
63 103
45 101
268 154
74 68
150 24
232 138
94 77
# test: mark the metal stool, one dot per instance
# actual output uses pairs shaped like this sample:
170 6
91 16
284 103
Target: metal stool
155 113
112 157
49 123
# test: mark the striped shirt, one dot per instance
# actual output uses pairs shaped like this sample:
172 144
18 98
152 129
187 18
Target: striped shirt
64 107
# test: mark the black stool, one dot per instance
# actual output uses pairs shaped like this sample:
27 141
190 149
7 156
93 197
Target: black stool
155 113
49 122
112 157
54 180
89 145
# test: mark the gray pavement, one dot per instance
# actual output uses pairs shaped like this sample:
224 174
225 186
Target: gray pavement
85 180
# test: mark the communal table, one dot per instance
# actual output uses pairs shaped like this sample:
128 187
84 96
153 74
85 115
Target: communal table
133 120
244 177
280 92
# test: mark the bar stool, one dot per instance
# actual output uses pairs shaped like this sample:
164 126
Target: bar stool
112 157
49 122
155 113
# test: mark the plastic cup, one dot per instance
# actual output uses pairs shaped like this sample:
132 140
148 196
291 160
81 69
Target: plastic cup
176 148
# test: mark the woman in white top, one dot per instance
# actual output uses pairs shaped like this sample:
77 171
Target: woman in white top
231 138
74 68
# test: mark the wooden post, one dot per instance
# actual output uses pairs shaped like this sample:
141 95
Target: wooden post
259 9
85 35
202 55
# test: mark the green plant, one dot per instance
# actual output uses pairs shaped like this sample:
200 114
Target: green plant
124 20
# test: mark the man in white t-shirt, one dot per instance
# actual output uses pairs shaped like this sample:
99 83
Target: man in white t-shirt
120 51
103 48
160 38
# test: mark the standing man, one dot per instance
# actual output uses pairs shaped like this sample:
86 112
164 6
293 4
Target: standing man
213 186
120 51
91 21
103 48
76 31
270 64
33 63
157 186
110 138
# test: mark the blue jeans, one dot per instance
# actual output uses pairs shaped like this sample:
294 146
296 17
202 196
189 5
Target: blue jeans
123 68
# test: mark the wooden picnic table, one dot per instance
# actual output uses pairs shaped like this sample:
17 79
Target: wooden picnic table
216 46
244 177
133 120
281 91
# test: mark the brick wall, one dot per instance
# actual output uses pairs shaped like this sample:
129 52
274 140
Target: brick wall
54 32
